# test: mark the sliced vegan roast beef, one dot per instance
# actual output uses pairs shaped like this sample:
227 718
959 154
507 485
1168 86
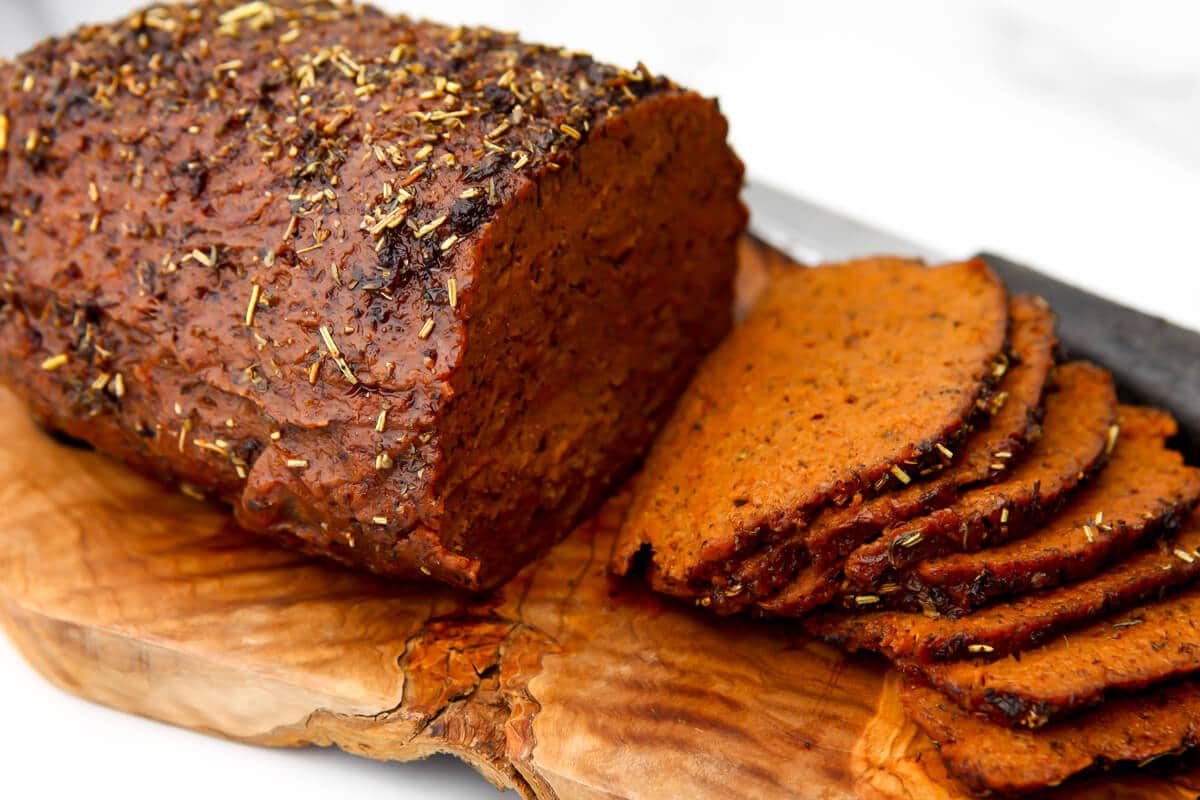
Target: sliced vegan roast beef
390 289
992 759
1080 429
1136 648
1144 485
1022 622
1010 422
843 382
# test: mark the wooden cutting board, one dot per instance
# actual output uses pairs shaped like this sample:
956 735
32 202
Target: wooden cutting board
564 683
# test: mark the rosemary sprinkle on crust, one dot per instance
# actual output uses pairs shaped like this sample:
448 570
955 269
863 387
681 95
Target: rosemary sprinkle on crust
1114 433
255 292
330 344
430 227
54 362
191 491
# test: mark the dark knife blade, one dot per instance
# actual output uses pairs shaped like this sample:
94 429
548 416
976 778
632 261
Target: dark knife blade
1154 361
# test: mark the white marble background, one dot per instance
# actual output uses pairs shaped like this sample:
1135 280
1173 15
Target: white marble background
1066 134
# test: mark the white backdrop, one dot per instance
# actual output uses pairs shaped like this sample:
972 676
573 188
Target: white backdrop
1065 134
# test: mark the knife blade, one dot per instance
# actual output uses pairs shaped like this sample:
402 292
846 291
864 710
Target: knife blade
813 234
1154 361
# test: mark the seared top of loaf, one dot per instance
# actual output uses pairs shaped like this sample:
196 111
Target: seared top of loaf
362 148
283 196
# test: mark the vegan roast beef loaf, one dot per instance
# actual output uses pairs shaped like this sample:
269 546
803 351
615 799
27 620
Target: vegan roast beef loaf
391 289
1011 424
844 381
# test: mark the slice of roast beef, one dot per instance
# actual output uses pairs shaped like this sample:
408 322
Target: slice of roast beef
1130 650
991 759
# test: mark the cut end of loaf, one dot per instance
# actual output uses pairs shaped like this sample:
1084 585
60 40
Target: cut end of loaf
625 297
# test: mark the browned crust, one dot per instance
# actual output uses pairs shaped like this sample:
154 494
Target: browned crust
1012 422
992 759
827 390
1019 624
1080 430
1143 486
235 233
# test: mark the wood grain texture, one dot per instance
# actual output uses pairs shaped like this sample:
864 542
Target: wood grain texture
564 683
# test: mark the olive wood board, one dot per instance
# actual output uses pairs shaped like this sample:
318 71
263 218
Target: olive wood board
563 683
